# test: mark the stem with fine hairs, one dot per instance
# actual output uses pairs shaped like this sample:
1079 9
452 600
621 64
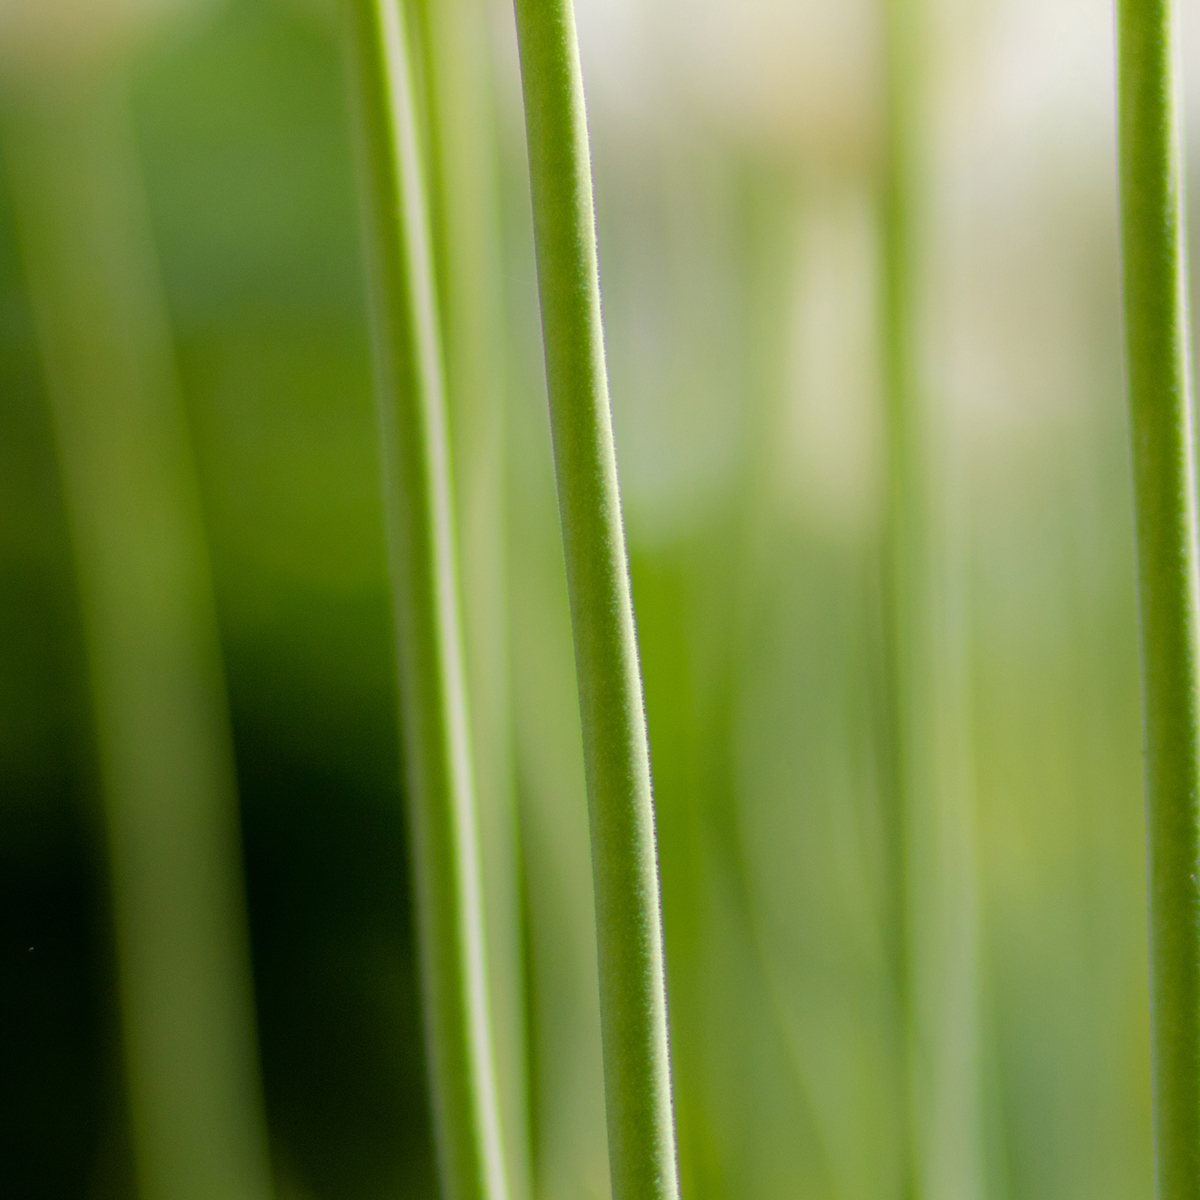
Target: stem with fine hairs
641 1132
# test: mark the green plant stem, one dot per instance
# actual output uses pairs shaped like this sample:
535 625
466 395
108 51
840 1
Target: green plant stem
933 897
466 240
162 733
616 758
903 535
1164 476
419 516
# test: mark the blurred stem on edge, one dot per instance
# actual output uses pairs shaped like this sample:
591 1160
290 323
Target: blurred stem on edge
1161 428
901 529
465 221
641 1133
162 730
932 918
419 516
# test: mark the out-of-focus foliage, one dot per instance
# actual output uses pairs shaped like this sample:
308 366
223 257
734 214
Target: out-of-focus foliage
736 156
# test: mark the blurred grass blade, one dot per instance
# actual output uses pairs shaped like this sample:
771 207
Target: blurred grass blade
1164 473
151 634
420 525
628 924
901 528
932 921
465 220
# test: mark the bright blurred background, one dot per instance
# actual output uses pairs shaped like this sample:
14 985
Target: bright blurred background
737 157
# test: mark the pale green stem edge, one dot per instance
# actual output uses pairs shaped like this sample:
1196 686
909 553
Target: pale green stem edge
465 225
418 512
1157 367
641 1134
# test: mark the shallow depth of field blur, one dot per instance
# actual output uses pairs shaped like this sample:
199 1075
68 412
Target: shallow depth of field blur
736 148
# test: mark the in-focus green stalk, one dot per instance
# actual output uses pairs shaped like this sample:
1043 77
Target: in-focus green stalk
162 730
465 220
616 757
1164 477
418 511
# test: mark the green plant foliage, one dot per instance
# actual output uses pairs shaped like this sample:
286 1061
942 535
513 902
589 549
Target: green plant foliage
463 172
931 915
162 733
760 289
641 1132
419 512
1164 473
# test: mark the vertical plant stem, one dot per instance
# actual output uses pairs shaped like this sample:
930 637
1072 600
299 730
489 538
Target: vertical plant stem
933 899
1164 475
616 758
902 529
150 629
419 515
466 240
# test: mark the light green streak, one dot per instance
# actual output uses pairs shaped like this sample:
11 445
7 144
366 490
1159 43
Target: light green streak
903 552
466 238
616 758
420 525
150 629
1164 475
932 921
